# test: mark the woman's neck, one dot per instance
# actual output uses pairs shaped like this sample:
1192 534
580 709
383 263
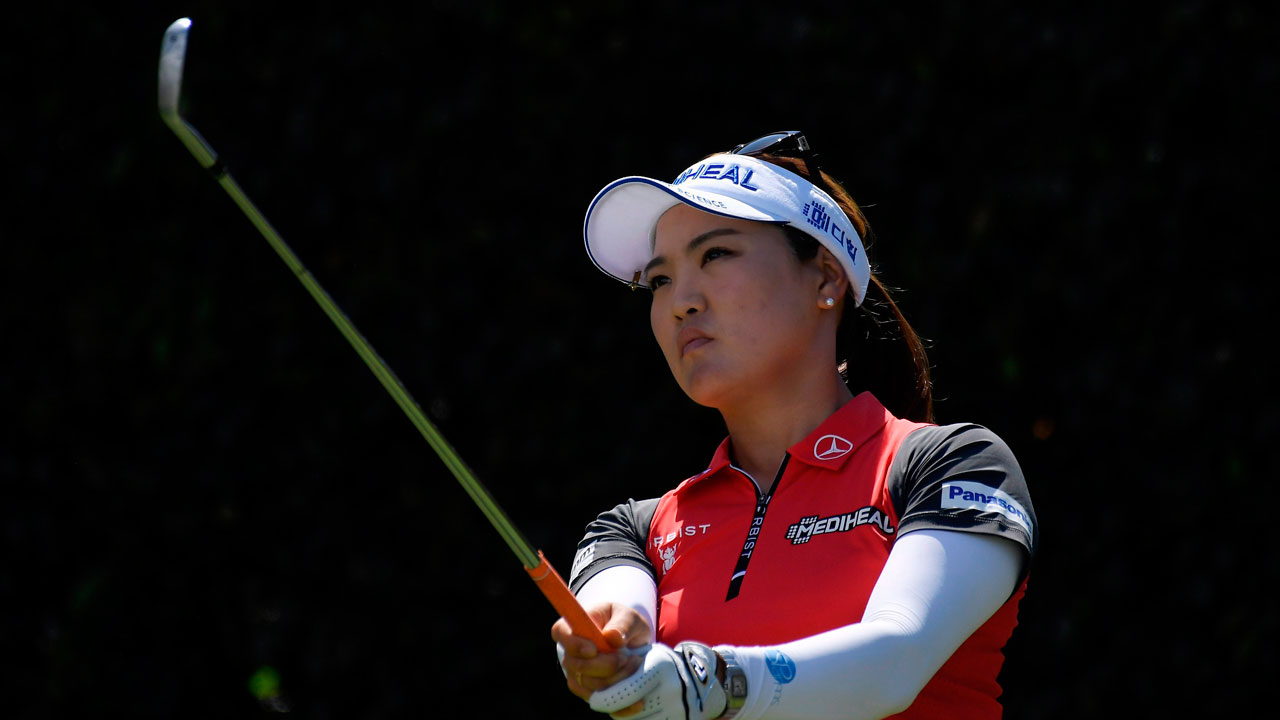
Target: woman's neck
764 428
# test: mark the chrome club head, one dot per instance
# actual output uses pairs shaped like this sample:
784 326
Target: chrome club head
173 53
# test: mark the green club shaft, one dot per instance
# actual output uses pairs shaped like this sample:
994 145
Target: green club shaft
173 52
521 547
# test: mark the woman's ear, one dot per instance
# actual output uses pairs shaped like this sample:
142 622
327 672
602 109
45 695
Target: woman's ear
835 283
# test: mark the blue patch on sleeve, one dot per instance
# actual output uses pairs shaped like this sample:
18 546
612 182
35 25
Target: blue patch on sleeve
781 667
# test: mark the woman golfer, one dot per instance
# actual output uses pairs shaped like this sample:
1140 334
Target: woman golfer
841 556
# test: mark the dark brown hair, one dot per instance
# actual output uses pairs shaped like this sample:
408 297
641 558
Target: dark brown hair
876 348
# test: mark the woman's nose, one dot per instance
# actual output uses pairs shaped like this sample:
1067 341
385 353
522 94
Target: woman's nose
689 299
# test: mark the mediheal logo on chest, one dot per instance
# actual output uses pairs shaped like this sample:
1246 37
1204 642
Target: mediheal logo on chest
804 531
961 495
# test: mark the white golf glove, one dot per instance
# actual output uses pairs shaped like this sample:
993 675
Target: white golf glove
675 683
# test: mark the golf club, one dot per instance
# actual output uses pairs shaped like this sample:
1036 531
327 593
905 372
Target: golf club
173 50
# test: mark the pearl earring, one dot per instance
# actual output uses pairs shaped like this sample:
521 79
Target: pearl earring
829 302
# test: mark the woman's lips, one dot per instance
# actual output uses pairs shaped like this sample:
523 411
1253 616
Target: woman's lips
690 339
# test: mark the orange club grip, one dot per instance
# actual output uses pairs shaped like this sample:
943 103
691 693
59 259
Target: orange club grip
562 599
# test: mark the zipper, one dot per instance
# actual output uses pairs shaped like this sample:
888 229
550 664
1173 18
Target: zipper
753 532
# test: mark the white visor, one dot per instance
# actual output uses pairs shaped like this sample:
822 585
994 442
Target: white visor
620 223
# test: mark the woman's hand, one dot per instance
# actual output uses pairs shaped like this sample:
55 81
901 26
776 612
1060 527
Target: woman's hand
680 683
587 669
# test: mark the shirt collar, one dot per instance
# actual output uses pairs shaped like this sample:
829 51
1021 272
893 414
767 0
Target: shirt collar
832 443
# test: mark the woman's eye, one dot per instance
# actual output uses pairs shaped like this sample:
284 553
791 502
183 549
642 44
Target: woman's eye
658 281
713 253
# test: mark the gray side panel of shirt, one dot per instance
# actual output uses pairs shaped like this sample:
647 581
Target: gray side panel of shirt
962 477
616 537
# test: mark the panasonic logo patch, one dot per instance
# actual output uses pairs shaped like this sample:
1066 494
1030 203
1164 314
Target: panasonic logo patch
961 495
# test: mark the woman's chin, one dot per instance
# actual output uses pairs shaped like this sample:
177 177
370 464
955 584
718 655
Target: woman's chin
711 389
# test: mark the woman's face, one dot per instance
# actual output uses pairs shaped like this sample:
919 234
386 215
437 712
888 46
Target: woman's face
734 310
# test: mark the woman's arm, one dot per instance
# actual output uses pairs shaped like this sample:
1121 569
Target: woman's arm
613 582
625 585
622 600
936 589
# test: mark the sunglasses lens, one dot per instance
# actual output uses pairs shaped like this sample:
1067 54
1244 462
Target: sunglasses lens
763 143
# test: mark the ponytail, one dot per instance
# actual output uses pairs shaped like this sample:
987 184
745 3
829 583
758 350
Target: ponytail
877 350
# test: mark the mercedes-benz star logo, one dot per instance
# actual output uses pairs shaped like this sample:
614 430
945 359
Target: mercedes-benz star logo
830 447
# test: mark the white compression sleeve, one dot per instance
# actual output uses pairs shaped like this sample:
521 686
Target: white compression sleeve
623 584
935 590
626 585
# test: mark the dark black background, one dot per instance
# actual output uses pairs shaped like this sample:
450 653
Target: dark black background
201 479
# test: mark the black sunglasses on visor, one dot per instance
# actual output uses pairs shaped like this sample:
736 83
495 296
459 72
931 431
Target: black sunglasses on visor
787 143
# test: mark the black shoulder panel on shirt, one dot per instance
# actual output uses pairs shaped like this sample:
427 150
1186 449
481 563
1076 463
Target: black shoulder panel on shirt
962 477
616 537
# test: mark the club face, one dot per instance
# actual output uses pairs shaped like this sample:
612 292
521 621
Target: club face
173 51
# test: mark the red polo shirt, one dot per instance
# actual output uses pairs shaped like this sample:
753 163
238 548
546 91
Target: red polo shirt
741 564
